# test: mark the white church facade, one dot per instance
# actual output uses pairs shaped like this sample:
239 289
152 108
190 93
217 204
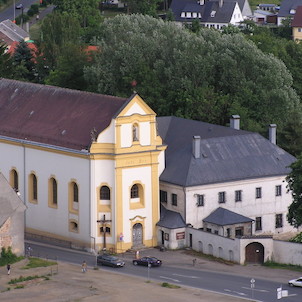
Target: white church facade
86 166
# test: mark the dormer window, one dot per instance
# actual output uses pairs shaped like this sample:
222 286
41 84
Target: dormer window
213 13
292 11
135 133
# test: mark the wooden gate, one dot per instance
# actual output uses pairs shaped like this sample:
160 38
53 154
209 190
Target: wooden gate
254 253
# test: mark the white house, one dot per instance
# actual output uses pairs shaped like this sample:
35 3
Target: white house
213 13
87 165
210 167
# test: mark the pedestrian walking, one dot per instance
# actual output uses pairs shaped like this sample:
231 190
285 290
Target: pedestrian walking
137 254
84 267
8 269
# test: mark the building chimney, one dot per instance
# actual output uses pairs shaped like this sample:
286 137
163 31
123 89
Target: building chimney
196 146
220 3
235 122
272 133
201 2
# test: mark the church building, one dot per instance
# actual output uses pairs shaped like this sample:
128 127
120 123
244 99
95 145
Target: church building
86 165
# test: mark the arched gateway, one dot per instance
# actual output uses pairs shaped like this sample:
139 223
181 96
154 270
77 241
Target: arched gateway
254 253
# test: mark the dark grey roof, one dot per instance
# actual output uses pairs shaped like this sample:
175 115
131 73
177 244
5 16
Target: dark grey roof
286 6
226 154
223 216
223 14
170 219
13 31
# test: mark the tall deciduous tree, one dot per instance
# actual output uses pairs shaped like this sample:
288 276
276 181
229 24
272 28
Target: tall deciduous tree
206 76
58 31
294 180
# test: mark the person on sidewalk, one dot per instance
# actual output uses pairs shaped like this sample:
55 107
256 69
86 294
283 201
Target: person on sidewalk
84 267
8 268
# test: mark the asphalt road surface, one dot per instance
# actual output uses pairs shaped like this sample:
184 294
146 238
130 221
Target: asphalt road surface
232 284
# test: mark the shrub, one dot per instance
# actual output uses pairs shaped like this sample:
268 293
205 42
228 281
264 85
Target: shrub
297 238
35 8
7 256
30 12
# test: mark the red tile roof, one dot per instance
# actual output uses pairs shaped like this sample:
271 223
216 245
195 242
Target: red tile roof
53 115
297 21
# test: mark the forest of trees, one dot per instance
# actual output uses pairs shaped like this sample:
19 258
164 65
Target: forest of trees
190 72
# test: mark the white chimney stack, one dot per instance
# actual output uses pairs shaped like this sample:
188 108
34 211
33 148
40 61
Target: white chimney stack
235 122
272 133
196 146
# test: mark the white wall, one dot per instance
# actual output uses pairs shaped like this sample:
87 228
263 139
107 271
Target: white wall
287 252
46 165
266 207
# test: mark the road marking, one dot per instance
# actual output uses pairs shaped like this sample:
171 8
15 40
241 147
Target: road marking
255 289
175 280
232 291
193 277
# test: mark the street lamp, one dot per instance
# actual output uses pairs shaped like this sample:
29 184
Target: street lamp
14 11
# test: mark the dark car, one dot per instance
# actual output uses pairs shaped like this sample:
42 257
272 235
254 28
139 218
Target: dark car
147 261
109 260
19 6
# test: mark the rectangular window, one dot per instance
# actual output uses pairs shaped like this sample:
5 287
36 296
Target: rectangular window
278 190
239 232
221 197
163 196
258 223
238 195
279 221
299 29
258 192
200 200
174 199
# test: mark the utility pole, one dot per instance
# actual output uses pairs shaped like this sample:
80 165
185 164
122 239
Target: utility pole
103 228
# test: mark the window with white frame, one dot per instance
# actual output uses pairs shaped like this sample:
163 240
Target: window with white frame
221 197
279 221
278 190
258 226
174 199
238 195
200 200
259 192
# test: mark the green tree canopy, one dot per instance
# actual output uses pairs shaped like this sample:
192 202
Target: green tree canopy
145 7
206 76
5 62
24 63
294 180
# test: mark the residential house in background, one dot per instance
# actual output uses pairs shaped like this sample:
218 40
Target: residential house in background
11 216
287 10
213 170
212 13
10 33
297 25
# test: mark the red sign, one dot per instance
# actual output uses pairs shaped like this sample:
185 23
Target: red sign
180 235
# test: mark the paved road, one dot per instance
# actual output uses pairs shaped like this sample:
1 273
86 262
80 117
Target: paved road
178 269
11 11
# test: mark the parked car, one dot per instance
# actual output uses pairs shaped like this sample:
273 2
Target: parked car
109 260
295 282
19 6
147 260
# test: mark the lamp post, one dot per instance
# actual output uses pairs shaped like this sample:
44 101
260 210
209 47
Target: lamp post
14 11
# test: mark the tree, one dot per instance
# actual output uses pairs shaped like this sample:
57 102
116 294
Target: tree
5 62
145 7
57 30
206 76
70 68
294 180
24 62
